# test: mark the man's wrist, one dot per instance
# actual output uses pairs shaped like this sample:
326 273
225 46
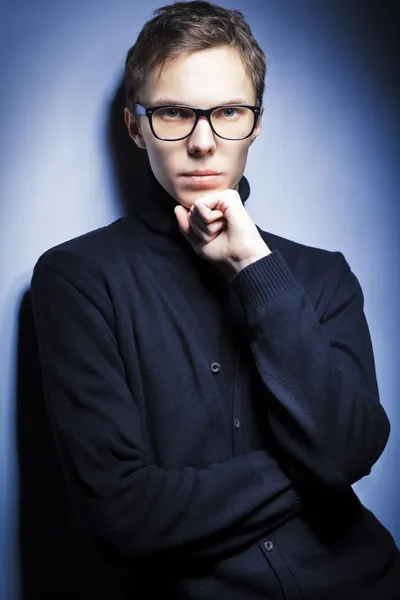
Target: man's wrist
242 264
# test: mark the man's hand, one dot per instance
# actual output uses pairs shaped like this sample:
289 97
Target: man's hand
220 230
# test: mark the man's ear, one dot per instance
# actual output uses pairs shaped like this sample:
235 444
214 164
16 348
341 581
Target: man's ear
133 129
257 130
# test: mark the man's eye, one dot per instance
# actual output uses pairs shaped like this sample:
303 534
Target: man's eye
228 112
173 113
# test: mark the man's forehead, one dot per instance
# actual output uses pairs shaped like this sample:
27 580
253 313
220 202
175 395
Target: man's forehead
206 78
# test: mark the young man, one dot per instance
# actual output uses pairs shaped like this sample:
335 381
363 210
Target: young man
211 386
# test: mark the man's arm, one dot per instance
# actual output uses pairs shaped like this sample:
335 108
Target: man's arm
324 409
133 506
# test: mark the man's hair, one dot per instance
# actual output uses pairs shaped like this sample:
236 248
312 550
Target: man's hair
185 27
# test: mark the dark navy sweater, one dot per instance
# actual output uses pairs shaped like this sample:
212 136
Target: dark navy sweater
210 430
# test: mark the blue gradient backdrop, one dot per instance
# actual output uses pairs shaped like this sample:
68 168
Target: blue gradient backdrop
324 171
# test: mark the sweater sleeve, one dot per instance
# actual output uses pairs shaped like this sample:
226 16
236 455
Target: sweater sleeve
322 403
133 507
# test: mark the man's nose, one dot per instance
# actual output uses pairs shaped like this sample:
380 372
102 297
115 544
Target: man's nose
202 137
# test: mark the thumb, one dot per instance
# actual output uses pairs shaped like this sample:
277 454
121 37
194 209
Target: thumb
182 217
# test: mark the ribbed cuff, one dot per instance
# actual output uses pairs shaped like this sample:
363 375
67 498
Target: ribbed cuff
262 280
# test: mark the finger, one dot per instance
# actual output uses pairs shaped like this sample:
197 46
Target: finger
209 226
206 232
219 200
210 200
196 220
205 213
216 227
200 237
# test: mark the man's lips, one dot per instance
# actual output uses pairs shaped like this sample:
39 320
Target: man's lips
202 181
201 173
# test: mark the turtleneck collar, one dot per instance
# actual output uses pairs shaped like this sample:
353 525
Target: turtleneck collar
157 208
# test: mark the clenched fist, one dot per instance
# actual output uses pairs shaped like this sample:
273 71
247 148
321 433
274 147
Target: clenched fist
220 230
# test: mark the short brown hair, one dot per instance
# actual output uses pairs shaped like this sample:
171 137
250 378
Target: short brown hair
185 27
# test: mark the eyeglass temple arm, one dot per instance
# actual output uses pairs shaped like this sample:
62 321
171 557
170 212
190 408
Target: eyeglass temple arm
140 110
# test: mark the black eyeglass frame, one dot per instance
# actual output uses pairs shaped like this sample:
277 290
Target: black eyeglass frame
199 112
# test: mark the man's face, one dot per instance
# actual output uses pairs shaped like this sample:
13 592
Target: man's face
211 77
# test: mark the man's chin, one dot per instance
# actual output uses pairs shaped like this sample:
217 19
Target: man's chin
187 194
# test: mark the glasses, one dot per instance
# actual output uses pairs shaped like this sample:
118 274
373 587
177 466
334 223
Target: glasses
172 123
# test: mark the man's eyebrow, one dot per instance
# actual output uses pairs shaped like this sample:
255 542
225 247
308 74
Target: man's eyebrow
162 101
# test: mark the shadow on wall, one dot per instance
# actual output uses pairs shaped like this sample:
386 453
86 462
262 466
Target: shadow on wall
57 560
130 164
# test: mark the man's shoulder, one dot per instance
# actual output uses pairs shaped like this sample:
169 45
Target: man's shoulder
98 248
315 268
292 249
300 256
